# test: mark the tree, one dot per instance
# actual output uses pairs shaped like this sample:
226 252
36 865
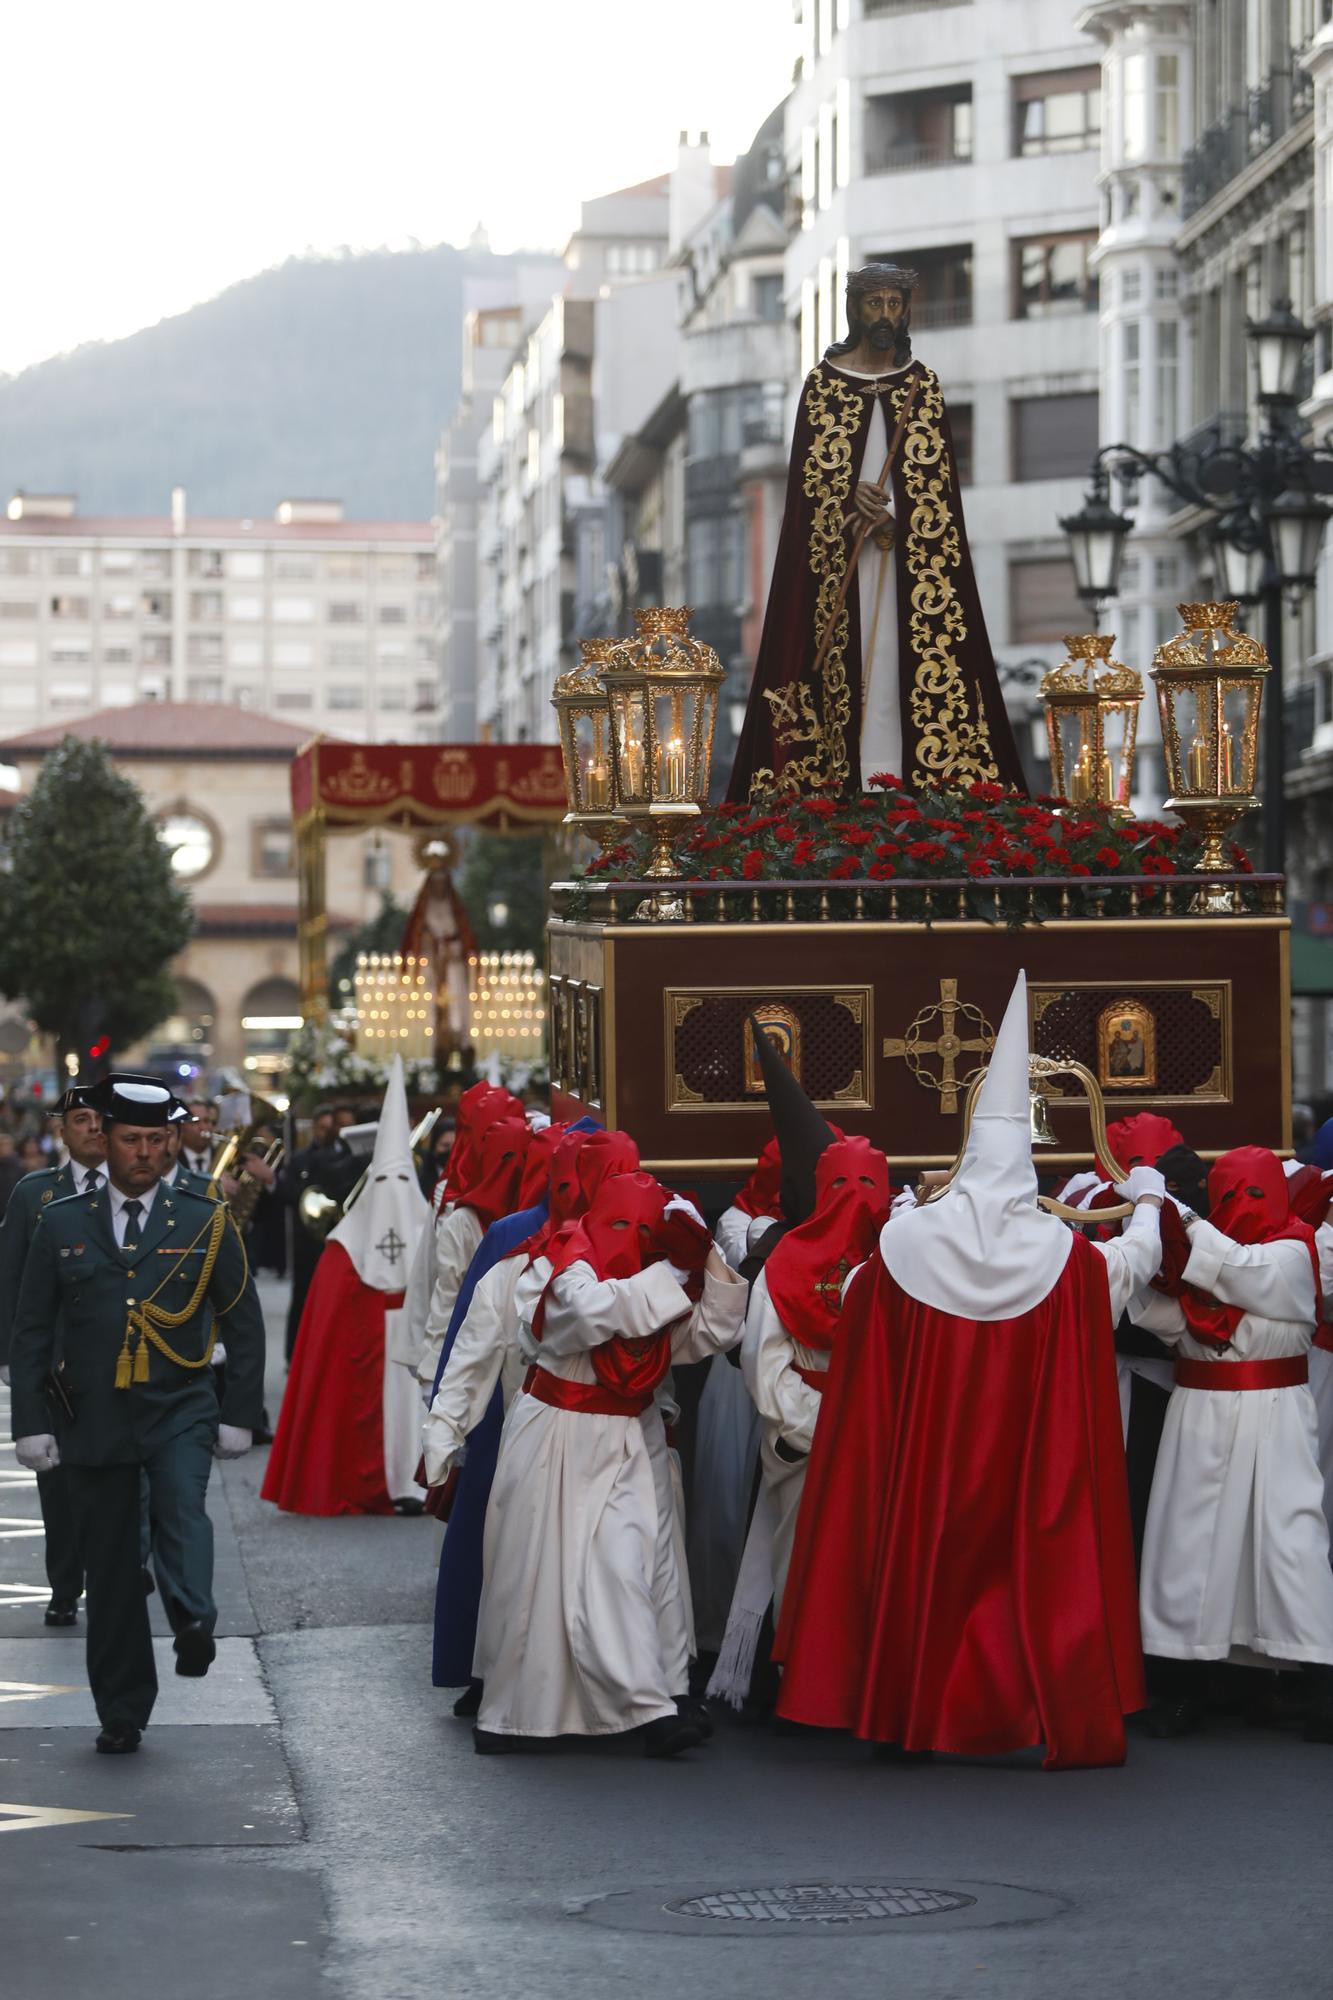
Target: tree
506 871
384 933
91 914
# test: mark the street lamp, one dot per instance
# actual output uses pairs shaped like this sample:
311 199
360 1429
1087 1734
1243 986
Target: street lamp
1279 344
1296 522
1241 549
1097 537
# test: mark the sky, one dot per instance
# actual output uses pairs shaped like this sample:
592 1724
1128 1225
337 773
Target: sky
155 153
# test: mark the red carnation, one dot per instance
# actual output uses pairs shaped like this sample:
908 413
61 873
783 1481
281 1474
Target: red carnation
1158 864
753 865
880 871
1107 858
926 850
842 869
886 781
986 791
978 866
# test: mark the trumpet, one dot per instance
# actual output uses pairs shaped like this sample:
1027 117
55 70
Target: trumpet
321 1213
234 1148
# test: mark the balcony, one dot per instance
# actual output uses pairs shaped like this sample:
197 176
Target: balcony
1243 134
911 155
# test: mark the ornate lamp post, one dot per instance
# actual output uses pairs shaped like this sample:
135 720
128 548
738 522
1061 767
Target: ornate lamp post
662 686
1092 719
584 716
1267 500
1210 684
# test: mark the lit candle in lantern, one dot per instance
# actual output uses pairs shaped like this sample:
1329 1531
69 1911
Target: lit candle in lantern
634 765
1198 766
597 787
673 759
1080 778
1227 760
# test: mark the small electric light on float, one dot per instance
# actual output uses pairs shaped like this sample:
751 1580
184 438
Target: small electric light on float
1092 719
1210 686
584 717
508 995
663 689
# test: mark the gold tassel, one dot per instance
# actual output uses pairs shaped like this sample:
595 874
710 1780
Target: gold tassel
141 1360
123 1364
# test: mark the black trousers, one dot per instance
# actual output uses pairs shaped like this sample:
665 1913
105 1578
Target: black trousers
64 1564
106 1505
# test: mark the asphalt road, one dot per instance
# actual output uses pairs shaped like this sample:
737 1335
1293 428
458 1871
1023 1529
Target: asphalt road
311 1820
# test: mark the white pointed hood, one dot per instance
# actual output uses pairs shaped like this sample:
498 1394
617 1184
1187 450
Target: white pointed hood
985 1250
381 1229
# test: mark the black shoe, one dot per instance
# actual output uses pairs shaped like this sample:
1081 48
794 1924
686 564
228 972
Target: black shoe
196 1650
117 1739
469 1702
487 1744
62 1611
1181 1717
693 1708
669 1735
1319 1726
409 1507
893 1753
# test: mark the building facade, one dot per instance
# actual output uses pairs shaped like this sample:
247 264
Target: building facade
310 617
961 139
217 781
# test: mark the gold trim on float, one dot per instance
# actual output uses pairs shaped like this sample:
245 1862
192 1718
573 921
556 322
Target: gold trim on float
1217 1088
897 926
858 1001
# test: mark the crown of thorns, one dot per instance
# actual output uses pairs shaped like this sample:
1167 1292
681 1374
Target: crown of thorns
880 278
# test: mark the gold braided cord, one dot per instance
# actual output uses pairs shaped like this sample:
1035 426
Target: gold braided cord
147 1321
245 1269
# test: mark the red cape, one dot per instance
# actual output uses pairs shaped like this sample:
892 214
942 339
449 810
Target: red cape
963 1573
328 1449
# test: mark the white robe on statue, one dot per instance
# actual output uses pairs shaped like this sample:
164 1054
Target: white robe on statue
582 1629
877 586
1236 1548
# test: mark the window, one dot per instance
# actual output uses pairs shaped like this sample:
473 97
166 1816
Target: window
18 694
427 696
17 562
189 840
292 569
245 610
346 612
1051 276
1168 379
1134 100
346 653
69 607
426 608
944 296
1055 437
18 652
203 649
1167 285
393 614
117 562
156 562
118 694
245 696
345 563
69 694
391 697
118 656
18 608
1166 108
1131 374
272 853
247 564
342 695
156 652
703 560
1059 111
960 422
1131 287
71 653
205 562
293 653
377 864
72 562
766 296
425 569
293 698
294 610
245 652
919 128
393 568
157 604
205 605
1043 603
119 605
203 687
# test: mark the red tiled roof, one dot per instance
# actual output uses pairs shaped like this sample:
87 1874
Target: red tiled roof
170 729
158 528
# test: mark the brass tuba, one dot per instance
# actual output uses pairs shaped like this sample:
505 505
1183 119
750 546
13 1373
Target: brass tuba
234 1148
1039 1068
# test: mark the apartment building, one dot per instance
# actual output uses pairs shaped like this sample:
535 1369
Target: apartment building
961 138
324 622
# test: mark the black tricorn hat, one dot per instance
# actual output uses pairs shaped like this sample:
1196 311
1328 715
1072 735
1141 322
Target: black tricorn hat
803 1133
74 1097
126 1099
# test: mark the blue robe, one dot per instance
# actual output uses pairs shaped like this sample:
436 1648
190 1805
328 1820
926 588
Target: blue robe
458 1589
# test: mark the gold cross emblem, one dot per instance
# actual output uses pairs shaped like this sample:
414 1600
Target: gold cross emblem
952 1014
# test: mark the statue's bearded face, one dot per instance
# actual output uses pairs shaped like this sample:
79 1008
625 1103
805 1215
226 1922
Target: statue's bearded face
880 315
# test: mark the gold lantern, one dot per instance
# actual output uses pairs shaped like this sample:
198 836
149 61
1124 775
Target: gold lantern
663 687
1092 719
584 717
1210 685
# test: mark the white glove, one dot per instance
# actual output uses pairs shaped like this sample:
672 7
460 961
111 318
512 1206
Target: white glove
219 1355
232 1441
679 1205
902 1202
39 1454
538 1121
4 1376
1142 1181
1290 1167
757 1231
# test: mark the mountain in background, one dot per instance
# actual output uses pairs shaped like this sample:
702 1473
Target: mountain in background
327 377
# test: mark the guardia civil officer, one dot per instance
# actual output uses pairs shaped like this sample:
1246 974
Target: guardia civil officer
140 1280
83 1173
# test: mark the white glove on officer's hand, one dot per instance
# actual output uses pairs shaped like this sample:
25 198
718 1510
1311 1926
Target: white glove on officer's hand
1142 1181
39 1454
678 1205
232 1441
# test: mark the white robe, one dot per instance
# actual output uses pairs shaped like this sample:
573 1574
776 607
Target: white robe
485 1352
877 582
1236 1548
457 1238
582 1629
1321 1370
408 1336
726 1448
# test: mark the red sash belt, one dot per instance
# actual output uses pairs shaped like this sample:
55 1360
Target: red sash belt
589 1397
1288 1371
814 1378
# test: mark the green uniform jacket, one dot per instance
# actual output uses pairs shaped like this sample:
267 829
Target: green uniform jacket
31 1197
76 1276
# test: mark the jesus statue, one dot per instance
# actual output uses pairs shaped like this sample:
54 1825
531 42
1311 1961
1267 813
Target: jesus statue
874 656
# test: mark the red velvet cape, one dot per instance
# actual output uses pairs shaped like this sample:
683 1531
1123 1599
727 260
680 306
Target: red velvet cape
963 1573
941 629
328 1449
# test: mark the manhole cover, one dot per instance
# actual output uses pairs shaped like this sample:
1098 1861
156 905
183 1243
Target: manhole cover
821 1903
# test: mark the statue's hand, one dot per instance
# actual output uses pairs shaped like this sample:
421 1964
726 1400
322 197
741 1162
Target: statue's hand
870 503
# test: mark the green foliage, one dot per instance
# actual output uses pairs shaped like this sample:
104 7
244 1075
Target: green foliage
384 932
509 869
91 915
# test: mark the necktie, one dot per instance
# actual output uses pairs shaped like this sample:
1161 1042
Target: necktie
133 1224
90 1184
